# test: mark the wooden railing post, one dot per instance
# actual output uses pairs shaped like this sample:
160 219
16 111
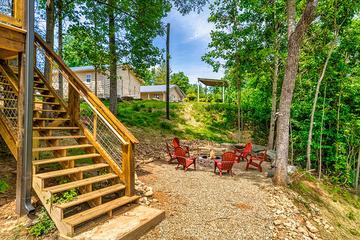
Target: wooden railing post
73 104
128 167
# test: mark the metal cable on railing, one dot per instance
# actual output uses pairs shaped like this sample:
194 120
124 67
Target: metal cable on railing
8 105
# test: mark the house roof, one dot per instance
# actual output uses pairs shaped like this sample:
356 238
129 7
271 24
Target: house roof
160 88
213 82
92 68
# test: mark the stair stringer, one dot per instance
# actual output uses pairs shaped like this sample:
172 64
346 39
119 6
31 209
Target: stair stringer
8 137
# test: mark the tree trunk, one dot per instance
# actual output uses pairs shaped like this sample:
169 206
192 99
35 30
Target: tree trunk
113 58
291 12
357 173
292 62
321 134
50 29
308 148
60 42
274 96
96 81
239 108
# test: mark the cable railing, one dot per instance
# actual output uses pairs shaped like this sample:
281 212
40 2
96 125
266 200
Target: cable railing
99 124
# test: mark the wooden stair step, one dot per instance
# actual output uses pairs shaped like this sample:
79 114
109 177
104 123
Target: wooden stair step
43 95
64 159
58 137
40 88
50 119
51 110
55 128
68 171
98 210
54 148
80 183
48 103
92 195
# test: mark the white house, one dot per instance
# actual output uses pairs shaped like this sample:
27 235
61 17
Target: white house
159 92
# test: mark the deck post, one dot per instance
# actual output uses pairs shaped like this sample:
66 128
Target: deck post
25 117
128 168
198 91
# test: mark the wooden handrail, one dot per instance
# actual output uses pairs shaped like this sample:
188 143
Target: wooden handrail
80 86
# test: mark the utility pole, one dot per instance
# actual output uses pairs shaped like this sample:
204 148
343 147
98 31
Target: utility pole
167 71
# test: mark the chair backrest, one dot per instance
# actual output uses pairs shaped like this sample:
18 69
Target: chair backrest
176 142
228 160
247 149
180 155
229 156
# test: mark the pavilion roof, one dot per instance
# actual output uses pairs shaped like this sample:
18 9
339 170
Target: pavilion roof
213 82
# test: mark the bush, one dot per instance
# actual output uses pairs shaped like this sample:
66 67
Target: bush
43 226
4 186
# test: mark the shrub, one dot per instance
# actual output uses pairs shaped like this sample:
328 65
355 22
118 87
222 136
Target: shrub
43 226
4 186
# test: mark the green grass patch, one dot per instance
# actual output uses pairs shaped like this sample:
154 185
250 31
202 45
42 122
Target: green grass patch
4 186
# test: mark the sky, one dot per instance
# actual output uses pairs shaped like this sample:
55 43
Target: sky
189 38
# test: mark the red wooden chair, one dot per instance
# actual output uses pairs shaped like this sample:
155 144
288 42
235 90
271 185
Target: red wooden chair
256 160
242 155
170 153
176 143
183 159
226 164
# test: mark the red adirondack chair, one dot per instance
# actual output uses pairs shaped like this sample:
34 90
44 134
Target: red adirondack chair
226 164
242 155
176 143
183 159
256 160
170 153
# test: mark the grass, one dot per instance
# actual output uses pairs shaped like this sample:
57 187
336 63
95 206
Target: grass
187 120
43 226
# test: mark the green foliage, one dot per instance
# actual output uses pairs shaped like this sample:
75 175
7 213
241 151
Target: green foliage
64 197
181 80
43 226
4 186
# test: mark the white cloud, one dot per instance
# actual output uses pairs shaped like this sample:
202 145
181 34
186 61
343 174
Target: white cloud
195 26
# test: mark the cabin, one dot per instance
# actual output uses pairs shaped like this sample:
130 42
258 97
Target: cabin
158 92
128 84
64 140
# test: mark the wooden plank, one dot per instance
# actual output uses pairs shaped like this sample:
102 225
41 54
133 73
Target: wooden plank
8 137
50 119
92 195
55 148
99 210
55 128
58 137
128 165
68 171
48 103
76 184
64 159
11 40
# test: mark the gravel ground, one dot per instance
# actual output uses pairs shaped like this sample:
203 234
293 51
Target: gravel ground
202 205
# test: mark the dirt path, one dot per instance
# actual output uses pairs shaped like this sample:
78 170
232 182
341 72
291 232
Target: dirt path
201 205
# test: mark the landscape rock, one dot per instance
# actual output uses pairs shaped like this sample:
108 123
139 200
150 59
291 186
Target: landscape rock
311 227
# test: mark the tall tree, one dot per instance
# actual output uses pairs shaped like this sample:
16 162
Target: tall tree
181 80
292 62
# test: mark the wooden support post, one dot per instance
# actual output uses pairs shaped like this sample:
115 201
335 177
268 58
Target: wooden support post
95 125
74 105
128 168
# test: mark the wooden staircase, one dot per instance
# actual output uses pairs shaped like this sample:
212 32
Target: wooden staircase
80 175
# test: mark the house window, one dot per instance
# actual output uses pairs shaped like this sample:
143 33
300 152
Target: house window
88 78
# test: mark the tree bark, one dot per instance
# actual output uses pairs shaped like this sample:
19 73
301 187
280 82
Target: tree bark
113 58
321 134
96 81
308 148
50 29
270 144
239 108
357 173
291 12
292 62
60 42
